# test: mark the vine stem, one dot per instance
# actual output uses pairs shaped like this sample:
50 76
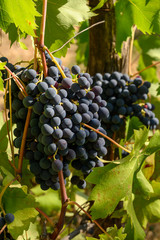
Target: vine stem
64 200
88 215
21 154
42 34
152 65
105 136
45 215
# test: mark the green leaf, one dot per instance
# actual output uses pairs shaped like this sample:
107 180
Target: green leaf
45 199
131 124
134 12
61 17
156 172
32 233
147 46
108 178
3 134
147 210
5 168
141 136
1 82
22 14
154 144
138 232
141 185
22 205
115 233
100 4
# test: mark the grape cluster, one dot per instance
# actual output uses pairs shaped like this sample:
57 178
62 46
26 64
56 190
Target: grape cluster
124 98
60 106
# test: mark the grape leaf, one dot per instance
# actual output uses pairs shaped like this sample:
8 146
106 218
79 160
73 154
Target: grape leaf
134 12
141 185
49 205
5 168
147 210
3 134
116 177
100 4
61 17
147 47
21 13
22 205
141 136
138 232
131 124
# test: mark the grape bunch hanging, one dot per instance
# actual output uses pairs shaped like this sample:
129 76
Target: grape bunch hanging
57 138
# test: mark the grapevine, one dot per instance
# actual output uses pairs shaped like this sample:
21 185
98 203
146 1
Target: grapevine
65 129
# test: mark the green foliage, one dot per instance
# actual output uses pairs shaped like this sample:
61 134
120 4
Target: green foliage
53 202
22 205
123 182
114 234
22 14
131 124
100 4
148 47
82 53
144 15
61 17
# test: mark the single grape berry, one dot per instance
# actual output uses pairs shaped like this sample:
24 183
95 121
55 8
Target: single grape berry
9 218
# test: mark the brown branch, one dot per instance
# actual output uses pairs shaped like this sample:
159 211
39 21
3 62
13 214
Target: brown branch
41 41
93 25
45 215
152 65
3 228
105 136
88 215
21 154
131 49
64 200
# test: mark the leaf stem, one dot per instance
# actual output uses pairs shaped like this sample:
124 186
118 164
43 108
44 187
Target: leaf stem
152 65
21 154
105 136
